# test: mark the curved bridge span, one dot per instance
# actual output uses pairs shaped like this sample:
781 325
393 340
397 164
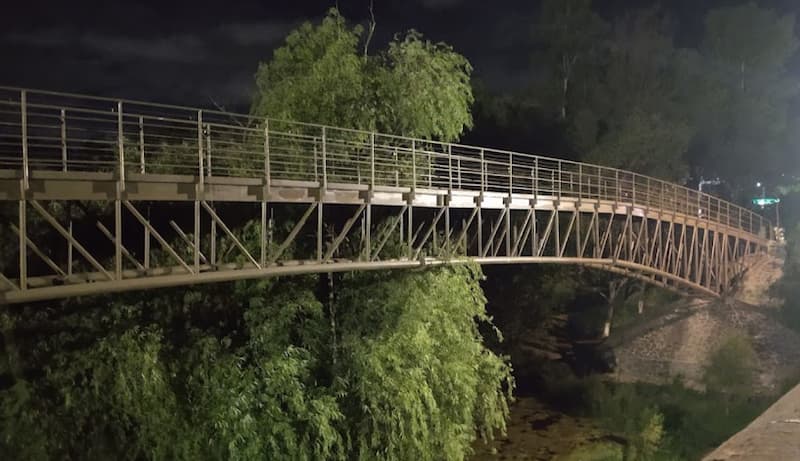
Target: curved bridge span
105 195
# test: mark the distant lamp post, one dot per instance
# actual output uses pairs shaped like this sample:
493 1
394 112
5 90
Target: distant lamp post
703 182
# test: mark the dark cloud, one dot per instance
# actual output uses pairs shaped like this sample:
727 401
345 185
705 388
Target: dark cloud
439 4
176 48
256 33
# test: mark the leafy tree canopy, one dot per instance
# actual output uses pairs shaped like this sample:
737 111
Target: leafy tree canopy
413 88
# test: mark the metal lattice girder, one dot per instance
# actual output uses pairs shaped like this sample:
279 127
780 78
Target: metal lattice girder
519 208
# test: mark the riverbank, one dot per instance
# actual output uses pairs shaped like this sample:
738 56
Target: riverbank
538 432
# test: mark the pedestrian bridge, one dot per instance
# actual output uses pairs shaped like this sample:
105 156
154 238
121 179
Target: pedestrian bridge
100 195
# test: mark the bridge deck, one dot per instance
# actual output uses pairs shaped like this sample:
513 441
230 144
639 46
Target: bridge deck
441 202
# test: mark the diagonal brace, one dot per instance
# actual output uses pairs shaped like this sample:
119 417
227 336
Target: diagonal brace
40 254
230 234
123 250
187 240
144 222
340 238
64 233
388 233
431 228
293 234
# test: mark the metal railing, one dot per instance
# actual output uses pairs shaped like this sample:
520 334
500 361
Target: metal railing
42 130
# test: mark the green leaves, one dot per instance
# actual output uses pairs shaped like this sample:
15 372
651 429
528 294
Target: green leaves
414 88
421 380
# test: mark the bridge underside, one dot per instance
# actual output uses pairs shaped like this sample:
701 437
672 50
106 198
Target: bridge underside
170 230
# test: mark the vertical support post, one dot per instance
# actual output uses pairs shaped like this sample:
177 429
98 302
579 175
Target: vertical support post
368 212
319 230
120 191
121 148
213 253
410 233
368 225
23 233
141 146
147 244
263 259
23 101
69 249
200 168
324 162
63 119
196 235
199 193
265 196
508 202
118 236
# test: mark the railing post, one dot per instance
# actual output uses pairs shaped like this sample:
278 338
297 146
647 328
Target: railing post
510 174
740 223
324 159
208 150
63 119
372 161
535 186
120 192
316 163
267 171
558 164
121 147
483 173
23 101
200 148
458 165
450 168
396 171
580 181
265 196
141 145
413 165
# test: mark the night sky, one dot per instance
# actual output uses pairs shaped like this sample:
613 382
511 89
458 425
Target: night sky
193 52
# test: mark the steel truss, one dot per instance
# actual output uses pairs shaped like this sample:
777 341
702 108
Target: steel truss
323 199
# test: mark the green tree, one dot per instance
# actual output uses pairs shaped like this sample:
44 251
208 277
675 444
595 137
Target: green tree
414 88
731 368
392 366
636 119
743 115
571 36
420 379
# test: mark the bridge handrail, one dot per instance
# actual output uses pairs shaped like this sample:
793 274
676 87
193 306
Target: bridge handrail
46 130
